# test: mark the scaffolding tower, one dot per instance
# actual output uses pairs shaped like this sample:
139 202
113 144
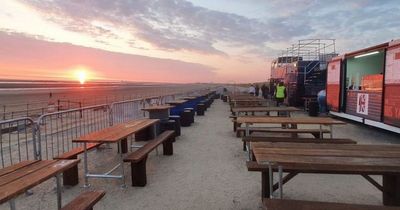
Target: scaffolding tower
311 49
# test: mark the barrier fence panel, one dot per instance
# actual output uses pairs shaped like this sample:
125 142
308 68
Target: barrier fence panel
168 98
126 110
17 141
57 130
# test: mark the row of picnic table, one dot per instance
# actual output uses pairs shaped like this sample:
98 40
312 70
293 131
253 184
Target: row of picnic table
295 154
155 130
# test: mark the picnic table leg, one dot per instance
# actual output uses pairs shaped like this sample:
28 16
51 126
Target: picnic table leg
155 135
71 176
12 204
138 173
59 198
271 181
321 135
265 192
120 146
247 147
280 184
85 166
331 131
391 190
168 146
124 146
294 126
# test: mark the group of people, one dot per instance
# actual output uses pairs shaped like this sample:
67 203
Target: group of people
277 92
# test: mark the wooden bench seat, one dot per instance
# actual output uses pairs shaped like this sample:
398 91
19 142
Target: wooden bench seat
315 132
70 176
138 158
284 204
85 201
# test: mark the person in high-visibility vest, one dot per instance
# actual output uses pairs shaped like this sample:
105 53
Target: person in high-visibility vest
280 93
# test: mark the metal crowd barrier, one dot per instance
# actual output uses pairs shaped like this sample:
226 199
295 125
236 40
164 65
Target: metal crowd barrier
57 130
17 141
52 134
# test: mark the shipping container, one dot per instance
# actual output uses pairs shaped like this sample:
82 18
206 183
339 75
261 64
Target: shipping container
364 86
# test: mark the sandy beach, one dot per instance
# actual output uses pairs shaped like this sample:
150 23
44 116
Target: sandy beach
15 101
208 171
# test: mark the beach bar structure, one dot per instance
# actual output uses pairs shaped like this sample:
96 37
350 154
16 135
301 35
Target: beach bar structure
302 67
364 86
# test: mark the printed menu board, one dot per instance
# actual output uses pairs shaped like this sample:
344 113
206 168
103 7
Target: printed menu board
333 85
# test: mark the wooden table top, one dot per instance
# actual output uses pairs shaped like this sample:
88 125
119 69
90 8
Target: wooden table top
157 107
264 109
176 102
117 132
355 157
16 179
290 120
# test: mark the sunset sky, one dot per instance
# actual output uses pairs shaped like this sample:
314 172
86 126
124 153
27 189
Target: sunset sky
178 41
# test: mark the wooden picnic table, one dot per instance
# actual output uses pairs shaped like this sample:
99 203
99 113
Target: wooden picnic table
114 134
159 111
247 102
290 120
365 160
18 178
294 121
238 110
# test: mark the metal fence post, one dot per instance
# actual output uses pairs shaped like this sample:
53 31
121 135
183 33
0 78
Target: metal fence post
37 145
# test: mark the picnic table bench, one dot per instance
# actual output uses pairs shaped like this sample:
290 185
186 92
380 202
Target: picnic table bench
18 178
313 131
284 204
85 201
365 160
138 158
292 121
282 112
265 109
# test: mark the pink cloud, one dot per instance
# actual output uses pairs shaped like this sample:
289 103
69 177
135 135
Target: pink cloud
28 58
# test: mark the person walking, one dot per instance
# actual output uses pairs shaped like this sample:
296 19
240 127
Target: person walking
280 93
252 90
257 90
265 91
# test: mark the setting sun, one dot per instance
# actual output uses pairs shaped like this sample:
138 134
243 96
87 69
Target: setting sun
81 76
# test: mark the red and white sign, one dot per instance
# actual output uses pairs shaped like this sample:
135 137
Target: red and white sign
392 74
362 103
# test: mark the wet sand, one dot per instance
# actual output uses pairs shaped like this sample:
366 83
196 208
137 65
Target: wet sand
15 102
